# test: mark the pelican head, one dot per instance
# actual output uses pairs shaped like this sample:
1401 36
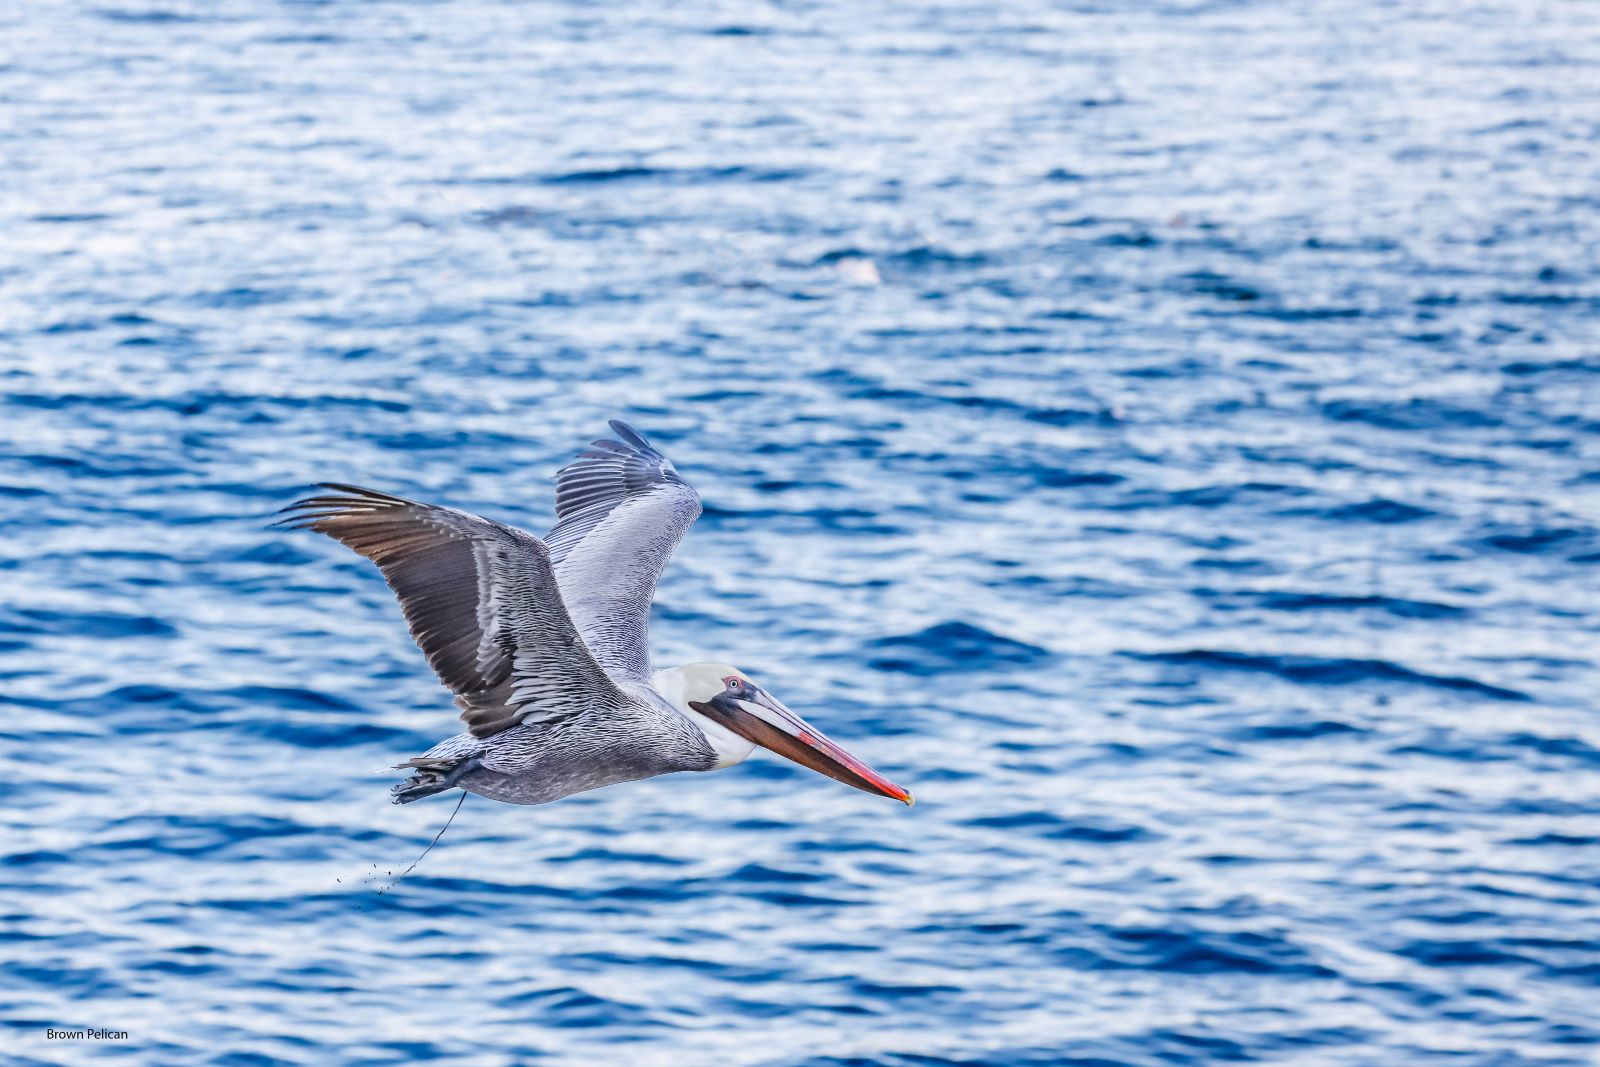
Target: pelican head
736 715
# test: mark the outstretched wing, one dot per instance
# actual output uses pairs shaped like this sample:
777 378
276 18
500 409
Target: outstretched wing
621 509
482 602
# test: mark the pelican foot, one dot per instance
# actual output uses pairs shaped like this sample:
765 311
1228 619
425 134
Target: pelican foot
433 776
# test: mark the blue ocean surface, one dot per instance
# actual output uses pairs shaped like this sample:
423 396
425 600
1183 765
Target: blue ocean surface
1164 434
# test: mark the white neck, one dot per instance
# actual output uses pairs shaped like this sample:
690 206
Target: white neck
729 746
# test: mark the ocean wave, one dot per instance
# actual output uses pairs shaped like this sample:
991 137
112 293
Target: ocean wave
1317 670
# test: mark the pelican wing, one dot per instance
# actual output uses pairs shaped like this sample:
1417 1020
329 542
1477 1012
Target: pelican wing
621 509
481 600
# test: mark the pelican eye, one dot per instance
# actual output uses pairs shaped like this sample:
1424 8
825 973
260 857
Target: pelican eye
733 684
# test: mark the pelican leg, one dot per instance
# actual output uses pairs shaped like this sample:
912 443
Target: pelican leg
433 776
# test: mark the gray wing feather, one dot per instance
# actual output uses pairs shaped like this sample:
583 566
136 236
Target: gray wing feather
621 510
481 600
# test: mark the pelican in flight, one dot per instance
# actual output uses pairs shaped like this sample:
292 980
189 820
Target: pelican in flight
545 643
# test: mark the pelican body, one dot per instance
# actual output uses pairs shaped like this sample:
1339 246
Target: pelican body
545 642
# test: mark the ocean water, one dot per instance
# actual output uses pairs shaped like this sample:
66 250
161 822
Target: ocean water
1165 435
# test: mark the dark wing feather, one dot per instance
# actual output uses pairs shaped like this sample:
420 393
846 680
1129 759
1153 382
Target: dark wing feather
621 509
482 602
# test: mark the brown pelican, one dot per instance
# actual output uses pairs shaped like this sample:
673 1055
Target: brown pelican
544 643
